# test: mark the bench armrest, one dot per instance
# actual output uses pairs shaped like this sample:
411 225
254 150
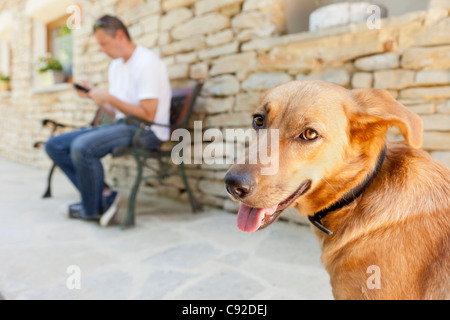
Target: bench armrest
54 124
142 125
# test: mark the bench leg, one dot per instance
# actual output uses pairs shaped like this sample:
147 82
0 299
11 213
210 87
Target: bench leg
48 191
129 220
194 204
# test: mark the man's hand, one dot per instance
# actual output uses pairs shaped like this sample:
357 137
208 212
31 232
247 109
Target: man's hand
99 95
83 94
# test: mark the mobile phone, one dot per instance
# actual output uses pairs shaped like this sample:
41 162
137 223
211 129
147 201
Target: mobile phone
80 87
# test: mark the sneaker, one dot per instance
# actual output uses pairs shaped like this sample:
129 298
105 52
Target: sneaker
75 207
77 212
66 211
111 206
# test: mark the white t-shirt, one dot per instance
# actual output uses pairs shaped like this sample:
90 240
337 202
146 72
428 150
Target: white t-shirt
143 76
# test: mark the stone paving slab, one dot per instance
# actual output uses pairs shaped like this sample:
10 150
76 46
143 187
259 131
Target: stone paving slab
170 254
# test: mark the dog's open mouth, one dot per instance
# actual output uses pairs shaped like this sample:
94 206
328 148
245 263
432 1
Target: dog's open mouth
253 219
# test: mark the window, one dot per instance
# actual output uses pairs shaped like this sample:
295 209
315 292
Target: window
60 44
51 37
5 51
5 58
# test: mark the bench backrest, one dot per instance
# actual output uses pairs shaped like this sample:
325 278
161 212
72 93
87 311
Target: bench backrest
101 119
182 106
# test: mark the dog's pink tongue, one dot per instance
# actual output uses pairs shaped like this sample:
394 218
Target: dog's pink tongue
250 219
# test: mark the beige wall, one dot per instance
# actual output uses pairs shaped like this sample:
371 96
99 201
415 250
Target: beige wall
239 49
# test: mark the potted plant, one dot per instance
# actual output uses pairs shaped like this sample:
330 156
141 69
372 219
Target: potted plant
333 13
50 71
4 83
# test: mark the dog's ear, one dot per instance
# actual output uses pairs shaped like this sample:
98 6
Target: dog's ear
376 111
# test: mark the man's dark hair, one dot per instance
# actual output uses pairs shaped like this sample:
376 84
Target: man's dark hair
110 25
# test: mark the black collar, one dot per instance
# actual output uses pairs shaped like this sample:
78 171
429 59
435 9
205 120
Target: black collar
348 198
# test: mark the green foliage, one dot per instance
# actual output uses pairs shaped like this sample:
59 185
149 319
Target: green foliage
49 63
4 77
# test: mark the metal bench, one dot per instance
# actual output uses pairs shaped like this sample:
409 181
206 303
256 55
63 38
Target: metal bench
182 105
100 119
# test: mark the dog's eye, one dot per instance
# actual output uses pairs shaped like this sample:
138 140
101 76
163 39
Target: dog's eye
258 121
309 135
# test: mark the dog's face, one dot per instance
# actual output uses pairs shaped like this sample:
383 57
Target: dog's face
325 135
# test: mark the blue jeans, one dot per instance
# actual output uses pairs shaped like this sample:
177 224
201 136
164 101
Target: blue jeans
78 154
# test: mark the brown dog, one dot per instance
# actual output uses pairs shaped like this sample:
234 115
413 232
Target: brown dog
382 209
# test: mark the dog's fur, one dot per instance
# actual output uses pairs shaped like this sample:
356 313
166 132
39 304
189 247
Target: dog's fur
400 224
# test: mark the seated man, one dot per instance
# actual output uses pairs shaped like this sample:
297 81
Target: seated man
138 86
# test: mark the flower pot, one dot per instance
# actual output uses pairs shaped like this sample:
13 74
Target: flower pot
339 14
50 78
5 86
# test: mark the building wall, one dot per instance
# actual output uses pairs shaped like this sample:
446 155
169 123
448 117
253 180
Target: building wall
299 10
238 48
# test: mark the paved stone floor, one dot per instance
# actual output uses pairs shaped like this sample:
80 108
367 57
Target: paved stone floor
170 254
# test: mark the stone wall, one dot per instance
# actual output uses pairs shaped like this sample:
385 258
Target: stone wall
238 48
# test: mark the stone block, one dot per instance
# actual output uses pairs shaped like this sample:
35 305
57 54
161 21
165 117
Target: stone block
231 9
175 17
427 108
211 105
247 101
209 23
221 86
426 94
264 81
219 51
313 54
148 40
187 45
267 43
435 15
443 107
186 57
439 141
252 5
227 120
126 5
178 71
250 20
231 206
432 35
434 58
168 191
234 63
215 188
151 23
199 71
442 156
394 79
337 76
436 122
362 80
432 78
219 38
172 4
136 14
378 62
205 6
246 35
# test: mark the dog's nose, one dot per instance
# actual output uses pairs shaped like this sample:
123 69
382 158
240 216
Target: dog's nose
239 185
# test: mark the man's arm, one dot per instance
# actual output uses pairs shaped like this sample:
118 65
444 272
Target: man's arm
145 110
